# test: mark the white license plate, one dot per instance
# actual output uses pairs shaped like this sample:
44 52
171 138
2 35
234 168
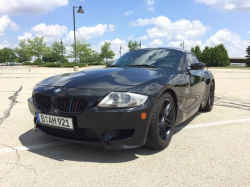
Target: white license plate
56 121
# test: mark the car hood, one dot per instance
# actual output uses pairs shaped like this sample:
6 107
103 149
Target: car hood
105 78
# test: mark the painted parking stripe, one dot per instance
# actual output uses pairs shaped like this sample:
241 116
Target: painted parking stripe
32 147
21 106
215 123
40 146
4 92
234 93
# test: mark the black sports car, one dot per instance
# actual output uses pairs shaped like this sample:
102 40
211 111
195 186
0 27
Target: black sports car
137 100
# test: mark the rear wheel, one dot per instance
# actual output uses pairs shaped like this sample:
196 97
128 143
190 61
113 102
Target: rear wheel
162 123
210 101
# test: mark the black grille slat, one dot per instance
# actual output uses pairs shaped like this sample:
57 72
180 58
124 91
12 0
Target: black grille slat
70 105
43 102
81 105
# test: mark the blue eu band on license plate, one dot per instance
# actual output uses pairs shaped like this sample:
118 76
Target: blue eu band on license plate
37 118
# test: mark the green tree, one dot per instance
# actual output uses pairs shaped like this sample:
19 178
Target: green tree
95 57
133 45
37 46
83 50
248 56
197 51
23 51
106 51
206 56
7 55
48 56
212 56
56 50
219 56
224 55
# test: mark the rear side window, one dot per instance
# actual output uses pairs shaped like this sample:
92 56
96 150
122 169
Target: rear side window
195 60
191 59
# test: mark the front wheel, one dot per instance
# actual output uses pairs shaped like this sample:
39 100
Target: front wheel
210 101
162 123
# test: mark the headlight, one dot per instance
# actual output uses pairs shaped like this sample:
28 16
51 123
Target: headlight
122 100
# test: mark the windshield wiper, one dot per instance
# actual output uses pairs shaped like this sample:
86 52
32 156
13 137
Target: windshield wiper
143 65
112 66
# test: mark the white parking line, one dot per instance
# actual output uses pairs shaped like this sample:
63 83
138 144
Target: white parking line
231 82
4 92
32 147
217 123
234 93
21 106
40 146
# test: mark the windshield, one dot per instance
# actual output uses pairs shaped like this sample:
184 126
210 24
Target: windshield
163 58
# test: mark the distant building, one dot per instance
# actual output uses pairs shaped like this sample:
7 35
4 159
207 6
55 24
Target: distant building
238 61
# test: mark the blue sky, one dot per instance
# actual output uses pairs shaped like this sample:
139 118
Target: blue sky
156 23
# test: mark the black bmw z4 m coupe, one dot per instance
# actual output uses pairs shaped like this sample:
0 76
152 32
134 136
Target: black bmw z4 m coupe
138 100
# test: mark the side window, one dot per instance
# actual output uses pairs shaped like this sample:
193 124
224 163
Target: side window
195 60
189 60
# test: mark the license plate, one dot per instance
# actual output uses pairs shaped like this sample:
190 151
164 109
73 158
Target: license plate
56 121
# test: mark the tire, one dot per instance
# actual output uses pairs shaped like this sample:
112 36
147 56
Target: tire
210 101
162 123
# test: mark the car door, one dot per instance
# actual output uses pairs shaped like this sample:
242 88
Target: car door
197 87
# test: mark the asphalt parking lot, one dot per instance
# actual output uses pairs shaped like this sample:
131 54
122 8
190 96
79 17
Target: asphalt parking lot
210 149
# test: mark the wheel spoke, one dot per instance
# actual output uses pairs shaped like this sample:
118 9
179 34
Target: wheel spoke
167 109
169 122
166 123
160 124
164 133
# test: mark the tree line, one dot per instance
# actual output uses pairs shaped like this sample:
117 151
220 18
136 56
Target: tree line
56 52
212 56
248 56
37 47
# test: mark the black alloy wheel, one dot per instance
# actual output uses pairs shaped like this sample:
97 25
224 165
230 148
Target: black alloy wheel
162 123
210 101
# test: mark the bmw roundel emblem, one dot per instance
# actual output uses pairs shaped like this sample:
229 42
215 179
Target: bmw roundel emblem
57 90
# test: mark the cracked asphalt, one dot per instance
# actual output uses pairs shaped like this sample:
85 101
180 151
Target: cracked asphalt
210 149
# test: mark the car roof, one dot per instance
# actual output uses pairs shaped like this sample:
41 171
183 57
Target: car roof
177 49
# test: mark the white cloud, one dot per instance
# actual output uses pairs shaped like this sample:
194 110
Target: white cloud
50 32
178 30
111 27
128 13
14 26
142 38
130 37
25 36
4 44
188 44
239 5
232 41
15 7
248 32
90 32
4 23
156 43
150 4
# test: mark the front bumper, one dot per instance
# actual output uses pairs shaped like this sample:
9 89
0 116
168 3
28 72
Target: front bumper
111 128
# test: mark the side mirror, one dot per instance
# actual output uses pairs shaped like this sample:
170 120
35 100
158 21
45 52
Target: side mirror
197 66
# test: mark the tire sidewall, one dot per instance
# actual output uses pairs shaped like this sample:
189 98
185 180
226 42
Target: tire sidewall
160 102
